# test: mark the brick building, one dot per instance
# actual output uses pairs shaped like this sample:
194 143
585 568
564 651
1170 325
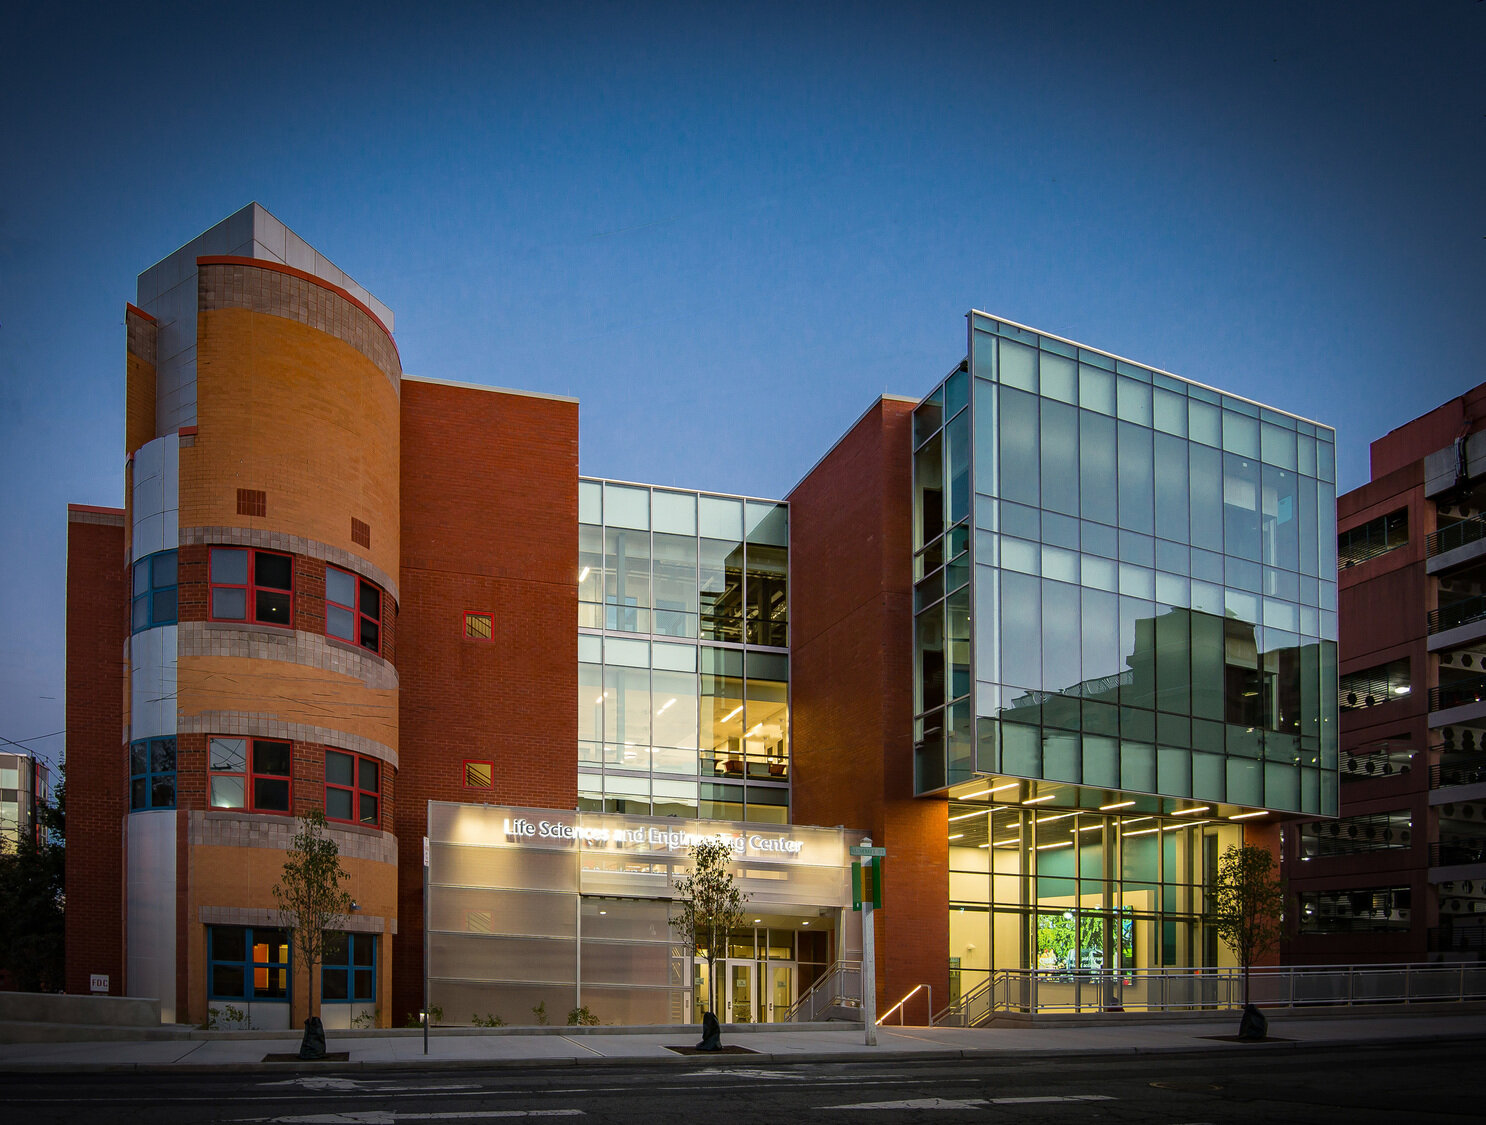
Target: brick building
1401 875
1053 634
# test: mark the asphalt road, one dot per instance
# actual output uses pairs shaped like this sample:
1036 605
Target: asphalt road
1396 1084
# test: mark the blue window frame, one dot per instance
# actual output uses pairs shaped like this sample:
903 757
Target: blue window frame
247 963
152 774
154 591
348 973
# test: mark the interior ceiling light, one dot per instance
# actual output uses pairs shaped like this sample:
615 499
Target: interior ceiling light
1189 812
1089 828
733 713
1141 831
1116 805
1050 819
1035 800
968 815
1011 843
1401 689
1059 844
958 836
581 576
1135 820
983 792
664 705
1246 815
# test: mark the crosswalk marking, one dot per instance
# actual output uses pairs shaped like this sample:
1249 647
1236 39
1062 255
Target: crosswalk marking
972 1103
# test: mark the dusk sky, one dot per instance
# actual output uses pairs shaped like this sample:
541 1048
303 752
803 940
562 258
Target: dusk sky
726 229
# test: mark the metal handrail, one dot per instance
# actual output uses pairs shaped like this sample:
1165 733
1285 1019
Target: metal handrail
1461 611
1470 771
1456 534
898 1007
1457 693
806 1001
1034 991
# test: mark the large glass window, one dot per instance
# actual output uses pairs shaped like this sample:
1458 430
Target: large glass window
247 963
256 586
353 609
152 774
348 973
655 715
155 588
252 774
353 788
1151 608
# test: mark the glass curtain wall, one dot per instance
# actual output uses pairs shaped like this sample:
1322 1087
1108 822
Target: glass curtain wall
683 673
1123 581
1064 890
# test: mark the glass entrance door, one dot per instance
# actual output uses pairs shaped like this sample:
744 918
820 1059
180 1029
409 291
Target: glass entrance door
741 985
781 991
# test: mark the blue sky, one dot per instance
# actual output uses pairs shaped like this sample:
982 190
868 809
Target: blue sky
726 228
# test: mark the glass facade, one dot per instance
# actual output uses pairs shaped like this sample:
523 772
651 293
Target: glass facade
1076 894
683 670
1124 582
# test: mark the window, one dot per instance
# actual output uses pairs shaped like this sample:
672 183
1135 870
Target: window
1372 686
352 785
152 774
349 971
1374 538
479 626
252 586
155 591
250 774
479 775
1369 909
247 963
353 609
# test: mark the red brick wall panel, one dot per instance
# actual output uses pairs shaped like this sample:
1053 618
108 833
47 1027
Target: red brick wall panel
851 686
490 523
97 777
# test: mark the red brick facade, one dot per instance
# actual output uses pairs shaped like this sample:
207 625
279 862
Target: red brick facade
489 524
851 681
97 616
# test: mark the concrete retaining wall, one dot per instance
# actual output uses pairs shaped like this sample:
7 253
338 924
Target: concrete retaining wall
94 1011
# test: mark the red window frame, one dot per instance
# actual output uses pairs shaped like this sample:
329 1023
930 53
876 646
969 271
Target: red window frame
251 589
490 770
357 790
248 773
365 624
488 618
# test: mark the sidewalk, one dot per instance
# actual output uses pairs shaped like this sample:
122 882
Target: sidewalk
835 1042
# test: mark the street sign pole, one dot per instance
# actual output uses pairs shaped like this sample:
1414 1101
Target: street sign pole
425 945
869 951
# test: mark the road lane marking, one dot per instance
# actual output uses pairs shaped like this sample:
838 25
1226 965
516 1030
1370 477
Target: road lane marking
972 1103
915 1103
390 1117
358 1085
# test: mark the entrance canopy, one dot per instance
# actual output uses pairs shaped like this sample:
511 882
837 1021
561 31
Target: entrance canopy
535 912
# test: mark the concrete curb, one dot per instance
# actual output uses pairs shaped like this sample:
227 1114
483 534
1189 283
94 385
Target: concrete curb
851 1054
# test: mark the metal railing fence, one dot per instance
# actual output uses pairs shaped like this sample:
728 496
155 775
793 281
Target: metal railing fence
1454 535
840 986
1038 991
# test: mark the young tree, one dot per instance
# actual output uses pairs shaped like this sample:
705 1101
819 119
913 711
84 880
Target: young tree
31 901
710 906
1248 903
310 895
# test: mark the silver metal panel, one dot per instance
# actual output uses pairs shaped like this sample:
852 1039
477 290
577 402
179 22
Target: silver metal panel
150 846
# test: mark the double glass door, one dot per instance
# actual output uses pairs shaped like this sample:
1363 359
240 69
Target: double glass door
752 991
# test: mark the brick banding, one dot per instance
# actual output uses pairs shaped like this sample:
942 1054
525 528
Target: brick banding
278 290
